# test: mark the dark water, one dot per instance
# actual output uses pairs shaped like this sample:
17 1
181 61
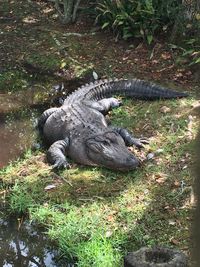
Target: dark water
18 113
24 245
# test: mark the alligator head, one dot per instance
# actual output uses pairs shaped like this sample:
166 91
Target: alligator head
109 150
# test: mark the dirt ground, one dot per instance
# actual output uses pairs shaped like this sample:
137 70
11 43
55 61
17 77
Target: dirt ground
31 31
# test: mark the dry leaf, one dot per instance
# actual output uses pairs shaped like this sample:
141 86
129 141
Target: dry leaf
174 241
177 184
49 187
165 109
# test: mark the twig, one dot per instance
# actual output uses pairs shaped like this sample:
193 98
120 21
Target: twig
68 33
62 178
57 7
75 10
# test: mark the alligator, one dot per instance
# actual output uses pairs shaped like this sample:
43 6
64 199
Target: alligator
78 129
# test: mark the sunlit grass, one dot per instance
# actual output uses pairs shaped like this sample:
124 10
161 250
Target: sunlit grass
96 215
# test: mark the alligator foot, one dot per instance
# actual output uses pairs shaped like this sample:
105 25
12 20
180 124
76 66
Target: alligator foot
61 164
56 154
129 139
139 142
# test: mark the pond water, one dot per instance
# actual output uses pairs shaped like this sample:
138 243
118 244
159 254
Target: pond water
18 113
24 245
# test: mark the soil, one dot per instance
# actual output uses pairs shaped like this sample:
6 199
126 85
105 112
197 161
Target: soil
32 28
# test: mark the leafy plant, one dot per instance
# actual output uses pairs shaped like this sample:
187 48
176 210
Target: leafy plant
192 51
133 18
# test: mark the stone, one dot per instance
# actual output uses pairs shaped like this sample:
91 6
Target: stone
156 257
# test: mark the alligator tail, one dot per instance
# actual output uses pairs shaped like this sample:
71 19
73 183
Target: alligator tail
137 89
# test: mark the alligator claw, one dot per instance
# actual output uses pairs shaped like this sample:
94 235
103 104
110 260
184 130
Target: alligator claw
140 142
144 141
61 165
115 103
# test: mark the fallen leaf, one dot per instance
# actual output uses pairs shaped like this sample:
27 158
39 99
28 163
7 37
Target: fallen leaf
150 156
108 233
49 187
171 222
174 241
165 109
160 180
177 184
110 218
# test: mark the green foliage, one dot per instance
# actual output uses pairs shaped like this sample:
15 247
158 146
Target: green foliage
189 49
134 18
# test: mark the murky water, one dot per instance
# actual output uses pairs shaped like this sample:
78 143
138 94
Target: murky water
24 245
18 115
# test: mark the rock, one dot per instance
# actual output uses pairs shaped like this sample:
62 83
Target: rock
150 156
156 257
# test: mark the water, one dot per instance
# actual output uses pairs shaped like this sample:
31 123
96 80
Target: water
24 245
18 113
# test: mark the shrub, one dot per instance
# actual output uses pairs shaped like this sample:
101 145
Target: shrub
133 18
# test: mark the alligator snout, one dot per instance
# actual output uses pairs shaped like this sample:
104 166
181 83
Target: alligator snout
132 162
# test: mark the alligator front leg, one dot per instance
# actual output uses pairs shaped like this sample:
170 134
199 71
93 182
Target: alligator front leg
56 154
104 105
129 139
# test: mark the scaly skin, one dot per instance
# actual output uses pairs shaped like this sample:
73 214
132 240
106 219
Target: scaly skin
78 128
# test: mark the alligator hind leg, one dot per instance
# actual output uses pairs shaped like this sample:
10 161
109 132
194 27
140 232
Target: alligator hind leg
44 117
104 105
109 103
56 154
129 139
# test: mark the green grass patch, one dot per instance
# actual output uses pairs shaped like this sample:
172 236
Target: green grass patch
13 80
96 215
45 61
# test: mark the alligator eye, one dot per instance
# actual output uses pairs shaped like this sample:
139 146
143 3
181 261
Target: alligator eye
106 142
112 136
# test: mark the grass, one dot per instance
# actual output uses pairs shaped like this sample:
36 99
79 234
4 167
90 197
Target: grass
45 61
96 215
14 80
